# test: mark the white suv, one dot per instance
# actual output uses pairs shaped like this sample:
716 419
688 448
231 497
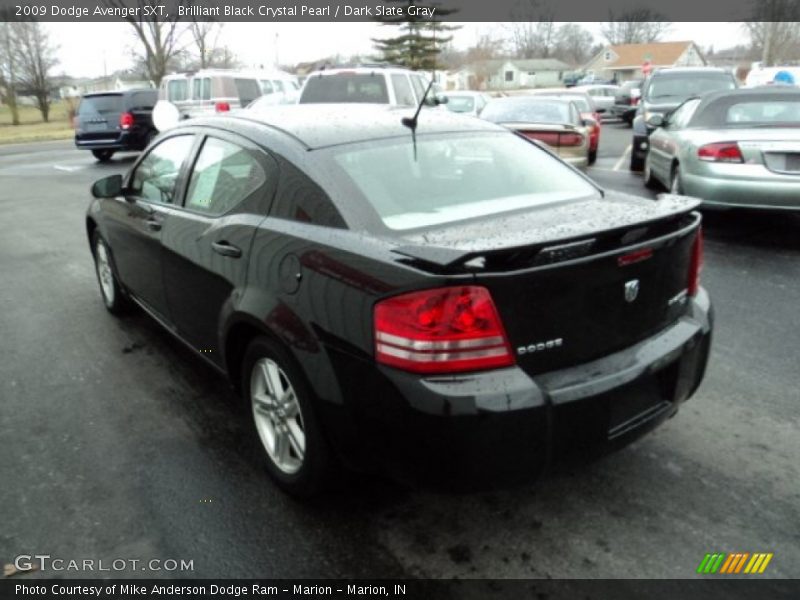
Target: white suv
365 84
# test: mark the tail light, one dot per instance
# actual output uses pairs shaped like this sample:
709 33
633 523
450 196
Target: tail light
720 152
222 107
125 120
555 139
696 264
443 330
634 100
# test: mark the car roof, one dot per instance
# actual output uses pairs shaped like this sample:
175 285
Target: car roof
575 91
360 70
323 125
120 92
698 70
758 91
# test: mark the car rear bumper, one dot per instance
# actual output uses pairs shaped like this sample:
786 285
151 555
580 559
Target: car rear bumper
124 140
507 426
579 162
729 191
622 112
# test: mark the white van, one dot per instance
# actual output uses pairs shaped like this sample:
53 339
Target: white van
209 91
766 75
277 87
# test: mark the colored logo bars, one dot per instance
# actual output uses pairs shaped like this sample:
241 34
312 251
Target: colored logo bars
734 563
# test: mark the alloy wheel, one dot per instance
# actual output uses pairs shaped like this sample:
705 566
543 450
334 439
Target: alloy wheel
104 273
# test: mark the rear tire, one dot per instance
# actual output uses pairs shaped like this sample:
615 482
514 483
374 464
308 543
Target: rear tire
592 156
114 298
103 155
283 423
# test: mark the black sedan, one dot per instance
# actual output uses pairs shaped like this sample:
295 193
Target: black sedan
447 301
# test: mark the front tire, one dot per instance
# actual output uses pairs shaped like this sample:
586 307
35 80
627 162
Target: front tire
114 298
103 155
288 436
676 185
650 182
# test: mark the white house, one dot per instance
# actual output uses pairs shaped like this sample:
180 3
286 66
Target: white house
508 74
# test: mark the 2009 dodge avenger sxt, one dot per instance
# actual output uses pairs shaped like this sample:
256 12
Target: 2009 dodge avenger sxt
448 299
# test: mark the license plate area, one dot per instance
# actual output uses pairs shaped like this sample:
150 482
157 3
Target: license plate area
635 404
96 127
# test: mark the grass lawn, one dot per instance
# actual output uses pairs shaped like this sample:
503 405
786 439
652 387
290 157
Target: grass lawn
31 127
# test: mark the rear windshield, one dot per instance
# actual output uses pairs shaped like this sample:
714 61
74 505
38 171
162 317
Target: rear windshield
247 90
460 104
345 87
580 101
762 112
533 111
676 87
100 105
453 177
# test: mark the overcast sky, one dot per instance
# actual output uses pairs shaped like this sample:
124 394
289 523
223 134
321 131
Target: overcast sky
91 49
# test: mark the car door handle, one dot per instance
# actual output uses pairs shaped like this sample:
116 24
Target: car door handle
153 223
226 249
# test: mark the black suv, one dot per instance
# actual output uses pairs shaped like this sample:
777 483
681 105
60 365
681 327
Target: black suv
663 92
110 121
626 100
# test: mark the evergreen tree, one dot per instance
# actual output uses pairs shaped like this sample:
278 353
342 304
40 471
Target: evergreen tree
421 38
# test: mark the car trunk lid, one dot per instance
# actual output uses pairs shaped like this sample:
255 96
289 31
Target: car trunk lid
573 292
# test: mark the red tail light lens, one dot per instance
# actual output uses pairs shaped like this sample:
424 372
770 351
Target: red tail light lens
696 264
720 152
570 139
442 330
126 120
634 101
221 107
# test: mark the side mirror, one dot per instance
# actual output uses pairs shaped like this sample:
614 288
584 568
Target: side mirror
441 99
107 187
588 123
655 120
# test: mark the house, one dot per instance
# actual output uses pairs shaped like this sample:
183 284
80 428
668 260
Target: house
622 62
508 74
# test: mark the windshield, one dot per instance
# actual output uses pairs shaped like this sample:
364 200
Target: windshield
460 104
679 87
100 105
527 110
578 99
454 177
345 87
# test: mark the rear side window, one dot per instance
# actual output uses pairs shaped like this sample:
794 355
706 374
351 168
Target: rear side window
177 90
402 90
247 90
346 87
104 105
201 89
266 86
156 177
298 198
223 175
278 85
764 112
143 100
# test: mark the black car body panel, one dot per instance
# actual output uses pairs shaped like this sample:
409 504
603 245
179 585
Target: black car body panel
309 274
98 126
625 102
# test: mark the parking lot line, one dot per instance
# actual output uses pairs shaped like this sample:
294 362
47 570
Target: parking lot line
622 158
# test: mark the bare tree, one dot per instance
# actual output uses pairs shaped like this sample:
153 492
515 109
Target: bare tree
775 30
573 44
635 26
533 32
34 56
8 74
161 39
206 35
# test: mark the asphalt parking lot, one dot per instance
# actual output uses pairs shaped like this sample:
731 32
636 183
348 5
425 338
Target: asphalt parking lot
117 442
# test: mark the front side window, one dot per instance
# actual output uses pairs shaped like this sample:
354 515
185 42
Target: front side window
223 175
453 177
402 90
680 118
156 177
247 90
266 86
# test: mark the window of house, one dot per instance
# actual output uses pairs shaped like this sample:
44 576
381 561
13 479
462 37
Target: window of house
509 75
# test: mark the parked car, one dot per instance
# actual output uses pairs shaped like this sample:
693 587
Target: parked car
552 121
277 87
664 91
375 84
109 122
467 103
732 149
626 100
209 91
454 303
590 112
602 95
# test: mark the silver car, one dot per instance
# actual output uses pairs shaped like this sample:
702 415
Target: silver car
733 149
